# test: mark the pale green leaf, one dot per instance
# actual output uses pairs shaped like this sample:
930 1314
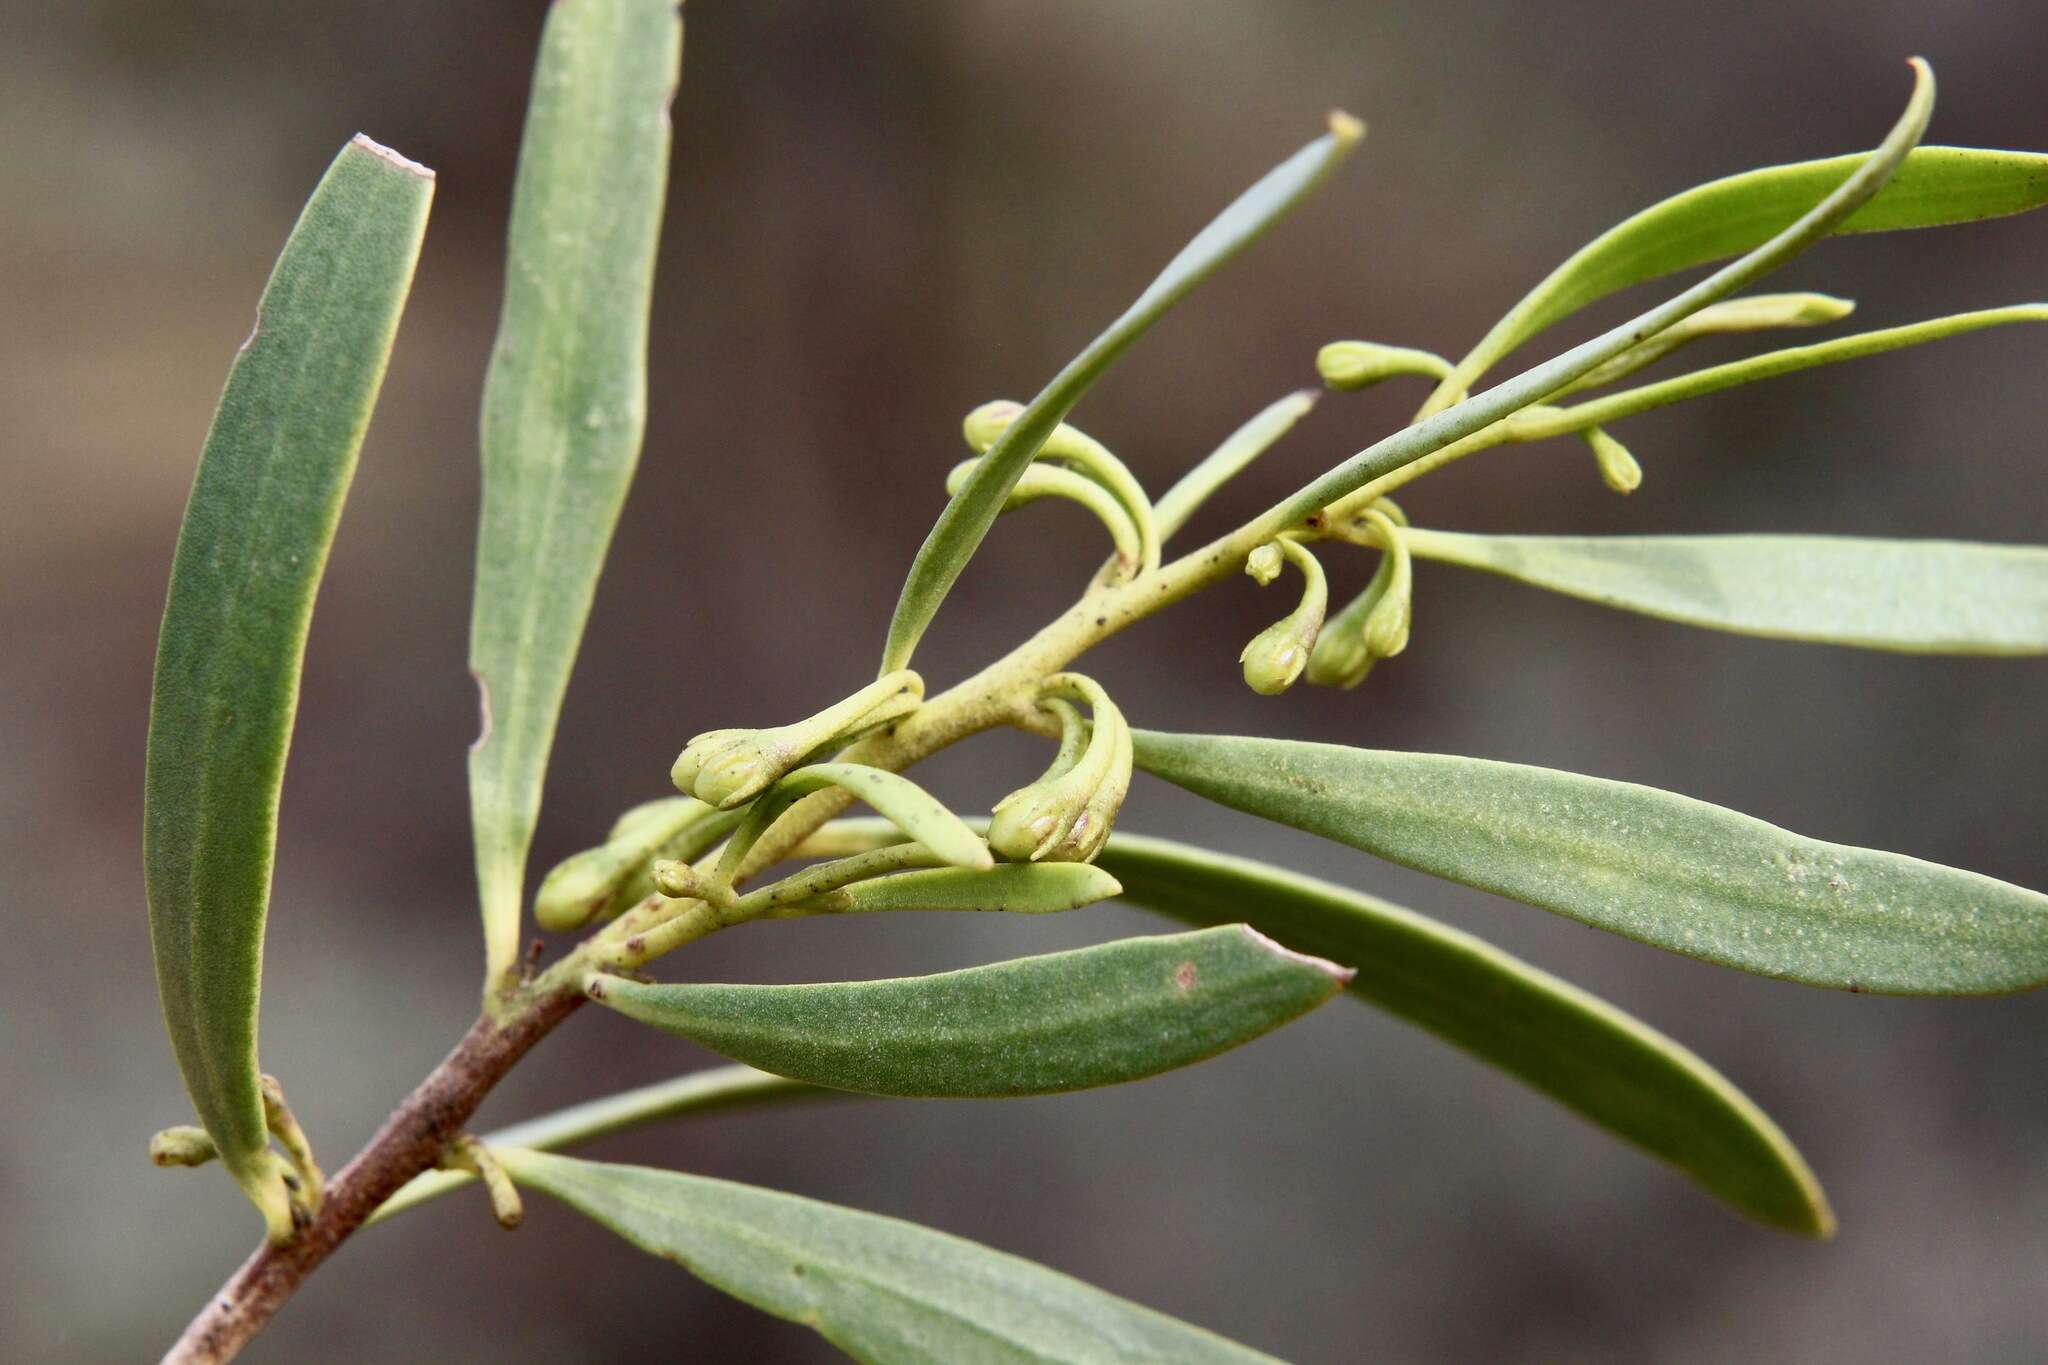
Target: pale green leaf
1936 186
564 401
1581 1051
254 543
1034 1026
968 516
882 1290
700 1092
1648 864
1914 596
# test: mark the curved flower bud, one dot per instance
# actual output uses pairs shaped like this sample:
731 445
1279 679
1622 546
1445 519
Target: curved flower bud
1618 468
1067 814
1052 481
915 811
728 768
1278 654
600 882
183 1145
1755 313
1386 624
1072 447
1341 657
1347 365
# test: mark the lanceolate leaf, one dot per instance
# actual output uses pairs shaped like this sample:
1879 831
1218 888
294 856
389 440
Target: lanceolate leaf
564 401
1915 596
1936 186
699 1092
263 511
882 1290
968 516
1035 1026
1654 866
1589 1056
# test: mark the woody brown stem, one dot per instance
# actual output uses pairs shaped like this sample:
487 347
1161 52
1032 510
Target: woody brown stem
409 1142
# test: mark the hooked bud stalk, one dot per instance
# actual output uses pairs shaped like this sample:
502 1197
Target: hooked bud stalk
1349 365
1076 450
1277 655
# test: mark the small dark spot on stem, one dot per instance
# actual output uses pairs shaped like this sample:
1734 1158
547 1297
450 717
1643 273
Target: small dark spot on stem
1184 976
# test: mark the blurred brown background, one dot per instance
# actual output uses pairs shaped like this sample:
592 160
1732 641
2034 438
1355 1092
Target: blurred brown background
883 214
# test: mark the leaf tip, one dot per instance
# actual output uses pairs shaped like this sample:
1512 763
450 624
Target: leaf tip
1341 975
1348 128
405 163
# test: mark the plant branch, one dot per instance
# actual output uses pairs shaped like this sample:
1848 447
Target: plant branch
409 1142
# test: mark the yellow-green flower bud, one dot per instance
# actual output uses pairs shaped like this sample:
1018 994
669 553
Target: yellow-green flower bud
1618 468
1070 446
1341 657
580 887
1755 313
1387 622
1277 655
1067 814
1347 365
1386 629
986 424
1056 481
183 1145
600 882
1275 658
1264 564
729 768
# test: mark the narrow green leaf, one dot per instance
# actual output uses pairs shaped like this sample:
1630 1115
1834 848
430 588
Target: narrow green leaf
1935 187
968 516
1228 460
1615 406
1914 596
264 506
1452 417
564 401
1584 1053
1647 864
1034 1026
700 1092
1015 888
882 1290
